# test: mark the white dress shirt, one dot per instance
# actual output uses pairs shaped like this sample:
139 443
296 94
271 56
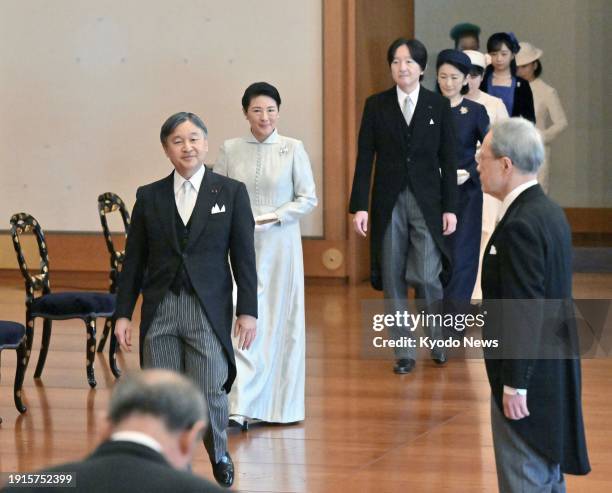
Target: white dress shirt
137 437
506 203
414 97
512 196
188 205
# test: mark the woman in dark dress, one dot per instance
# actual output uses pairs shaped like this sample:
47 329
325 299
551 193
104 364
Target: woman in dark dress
500 79
471 124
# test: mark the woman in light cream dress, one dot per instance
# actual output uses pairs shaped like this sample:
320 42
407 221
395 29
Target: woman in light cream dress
276 171
496 109
550 117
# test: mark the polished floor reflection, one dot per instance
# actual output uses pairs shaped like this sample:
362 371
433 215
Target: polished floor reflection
366 428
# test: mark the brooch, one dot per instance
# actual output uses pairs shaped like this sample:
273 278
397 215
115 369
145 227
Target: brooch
283 150
463 110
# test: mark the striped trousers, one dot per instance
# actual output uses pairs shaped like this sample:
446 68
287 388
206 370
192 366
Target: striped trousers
181 339
520 468
410 258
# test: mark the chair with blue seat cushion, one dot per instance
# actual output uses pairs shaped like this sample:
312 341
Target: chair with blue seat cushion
42 303
109 203
12 336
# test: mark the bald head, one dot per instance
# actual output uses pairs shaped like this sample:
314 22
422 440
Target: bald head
163 394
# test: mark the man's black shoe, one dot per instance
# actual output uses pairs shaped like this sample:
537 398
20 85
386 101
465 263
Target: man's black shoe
439 356
403 366
224 471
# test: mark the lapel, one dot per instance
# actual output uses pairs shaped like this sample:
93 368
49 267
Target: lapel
395 118
166 205
207 198
527 195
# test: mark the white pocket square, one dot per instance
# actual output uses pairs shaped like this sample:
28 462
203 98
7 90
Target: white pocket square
217 210
431 122
493 250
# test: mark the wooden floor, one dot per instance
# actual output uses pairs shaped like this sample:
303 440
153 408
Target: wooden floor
366 429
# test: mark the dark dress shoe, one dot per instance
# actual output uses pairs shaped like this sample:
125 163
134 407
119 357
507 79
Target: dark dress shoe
224 471
439 357
403 366
234 423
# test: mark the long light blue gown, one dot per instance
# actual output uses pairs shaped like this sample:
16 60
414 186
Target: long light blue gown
270 375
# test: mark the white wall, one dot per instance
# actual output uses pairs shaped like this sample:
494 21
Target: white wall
85 86
576 40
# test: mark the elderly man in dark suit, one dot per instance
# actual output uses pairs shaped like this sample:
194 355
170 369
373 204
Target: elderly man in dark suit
409 131
536 410
184 227
154 423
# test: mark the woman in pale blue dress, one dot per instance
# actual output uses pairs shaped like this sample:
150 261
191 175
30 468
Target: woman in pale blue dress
276 171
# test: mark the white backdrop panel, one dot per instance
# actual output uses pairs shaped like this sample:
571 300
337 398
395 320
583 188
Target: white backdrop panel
85 87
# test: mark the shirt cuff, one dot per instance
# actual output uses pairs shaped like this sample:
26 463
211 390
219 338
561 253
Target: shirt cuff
512 391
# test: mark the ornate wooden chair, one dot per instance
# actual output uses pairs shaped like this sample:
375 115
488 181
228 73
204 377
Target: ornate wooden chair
108 203
42 303
13 336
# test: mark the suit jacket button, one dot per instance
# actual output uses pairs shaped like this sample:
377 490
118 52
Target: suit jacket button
407 159
184 256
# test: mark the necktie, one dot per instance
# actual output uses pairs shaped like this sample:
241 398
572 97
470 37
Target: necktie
186 201
407 110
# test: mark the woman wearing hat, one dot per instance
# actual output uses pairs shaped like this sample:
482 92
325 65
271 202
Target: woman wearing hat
550 117
471 125
500 79
496 109
466 36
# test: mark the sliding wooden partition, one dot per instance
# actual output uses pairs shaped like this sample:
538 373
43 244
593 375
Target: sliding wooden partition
356 34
